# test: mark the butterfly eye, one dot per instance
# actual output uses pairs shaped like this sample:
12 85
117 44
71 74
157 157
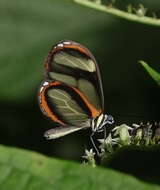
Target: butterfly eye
110 119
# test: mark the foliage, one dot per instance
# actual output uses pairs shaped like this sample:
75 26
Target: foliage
120 136
25 170
154 74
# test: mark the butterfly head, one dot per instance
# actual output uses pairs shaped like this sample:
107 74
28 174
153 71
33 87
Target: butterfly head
99 122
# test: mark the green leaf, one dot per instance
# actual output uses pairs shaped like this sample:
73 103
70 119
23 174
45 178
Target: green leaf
154 74
26 170
138 160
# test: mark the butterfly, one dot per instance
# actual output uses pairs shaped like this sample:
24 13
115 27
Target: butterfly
71 94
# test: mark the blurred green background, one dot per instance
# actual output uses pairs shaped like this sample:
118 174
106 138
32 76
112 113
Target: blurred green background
28 29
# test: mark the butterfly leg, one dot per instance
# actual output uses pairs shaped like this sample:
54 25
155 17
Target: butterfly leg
96 149
105 133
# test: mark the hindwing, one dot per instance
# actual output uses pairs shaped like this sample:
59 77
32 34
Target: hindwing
66 105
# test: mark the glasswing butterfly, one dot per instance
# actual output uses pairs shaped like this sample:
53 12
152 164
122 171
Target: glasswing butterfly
71 94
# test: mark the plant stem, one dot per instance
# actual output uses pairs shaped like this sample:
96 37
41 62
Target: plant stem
119 13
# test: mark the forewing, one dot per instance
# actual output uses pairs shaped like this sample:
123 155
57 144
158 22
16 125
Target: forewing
72 64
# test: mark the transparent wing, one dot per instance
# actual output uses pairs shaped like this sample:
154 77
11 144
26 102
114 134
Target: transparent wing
67 107
64 105
74 65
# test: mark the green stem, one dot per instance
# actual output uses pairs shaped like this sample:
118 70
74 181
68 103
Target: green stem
119 13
